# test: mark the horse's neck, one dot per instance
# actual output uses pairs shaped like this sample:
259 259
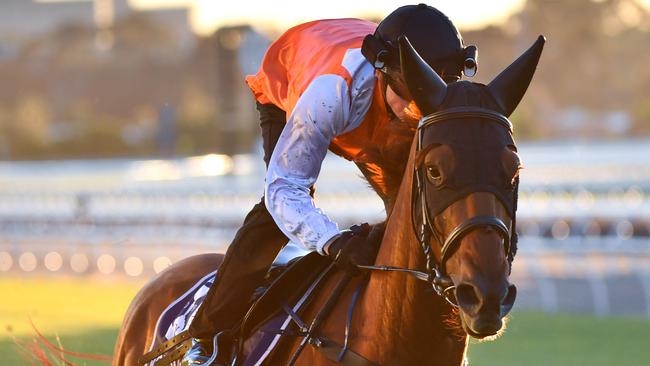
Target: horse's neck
400 321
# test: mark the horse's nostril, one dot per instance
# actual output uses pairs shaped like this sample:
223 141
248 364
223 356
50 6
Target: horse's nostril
508 300
466 296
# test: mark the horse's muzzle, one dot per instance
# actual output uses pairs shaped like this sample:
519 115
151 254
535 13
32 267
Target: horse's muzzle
482 312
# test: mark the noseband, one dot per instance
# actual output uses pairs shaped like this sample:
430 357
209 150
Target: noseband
424 228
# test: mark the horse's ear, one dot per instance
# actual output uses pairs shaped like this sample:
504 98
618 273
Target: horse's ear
425 85
510 85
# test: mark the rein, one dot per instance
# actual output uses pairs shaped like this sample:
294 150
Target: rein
435 274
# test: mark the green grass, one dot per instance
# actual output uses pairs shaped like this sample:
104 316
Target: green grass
98 341
86 315
541 339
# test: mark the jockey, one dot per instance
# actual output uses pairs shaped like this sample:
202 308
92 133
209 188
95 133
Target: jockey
322 85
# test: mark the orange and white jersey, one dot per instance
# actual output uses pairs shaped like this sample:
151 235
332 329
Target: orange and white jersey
317 74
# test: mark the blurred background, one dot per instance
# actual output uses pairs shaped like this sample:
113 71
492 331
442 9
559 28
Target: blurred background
128 141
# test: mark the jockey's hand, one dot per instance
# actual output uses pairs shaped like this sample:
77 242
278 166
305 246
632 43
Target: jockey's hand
356 246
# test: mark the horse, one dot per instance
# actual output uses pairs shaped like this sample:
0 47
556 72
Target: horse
442 269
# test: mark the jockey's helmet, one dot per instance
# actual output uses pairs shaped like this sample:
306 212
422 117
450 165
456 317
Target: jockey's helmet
430 32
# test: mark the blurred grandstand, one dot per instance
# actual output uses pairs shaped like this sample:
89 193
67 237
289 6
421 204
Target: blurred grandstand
584 218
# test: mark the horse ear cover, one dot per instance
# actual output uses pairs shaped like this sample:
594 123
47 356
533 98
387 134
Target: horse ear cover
510 85
425 85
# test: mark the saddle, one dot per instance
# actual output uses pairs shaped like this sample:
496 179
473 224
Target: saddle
275 313
288 284
284 284
278 313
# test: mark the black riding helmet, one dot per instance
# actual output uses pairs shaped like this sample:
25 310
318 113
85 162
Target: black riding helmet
430 32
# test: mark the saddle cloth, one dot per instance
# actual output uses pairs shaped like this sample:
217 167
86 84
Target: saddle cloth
263 323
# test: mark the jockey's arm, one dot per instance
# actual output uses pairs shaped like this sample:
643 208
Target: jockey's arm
321 113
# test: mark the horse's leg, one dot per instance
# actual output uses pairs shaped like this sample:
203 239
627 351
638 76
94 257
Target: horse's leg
136 333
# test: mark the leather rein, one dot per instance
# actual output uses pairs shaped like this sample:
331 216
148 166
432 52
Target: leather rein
435 274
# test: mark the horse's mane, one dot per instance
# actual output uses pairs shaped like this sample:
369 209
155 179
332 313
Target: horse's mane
384 166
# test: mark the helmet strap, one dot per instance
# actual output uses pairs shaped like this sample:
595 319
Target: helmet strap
383 84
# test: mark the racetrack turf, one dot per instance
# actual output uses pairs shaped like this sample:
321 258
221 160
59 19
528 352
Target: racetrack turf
87 313
538 339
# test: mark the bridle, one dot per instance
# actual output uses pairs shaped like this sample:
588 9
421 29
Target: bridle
423 225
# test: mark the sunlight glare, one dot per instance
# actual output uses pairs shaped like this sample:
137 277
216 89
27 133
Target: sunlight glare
208 15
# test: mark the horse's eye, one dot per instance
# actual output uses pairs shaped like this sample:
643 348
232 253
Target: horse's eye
433 174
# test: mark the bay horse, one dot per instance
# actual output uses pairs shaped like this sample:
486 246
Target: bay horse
442 269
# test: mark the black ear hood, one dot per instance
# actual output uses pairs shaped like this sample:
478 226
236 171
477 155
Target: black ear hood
425 85
510 85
